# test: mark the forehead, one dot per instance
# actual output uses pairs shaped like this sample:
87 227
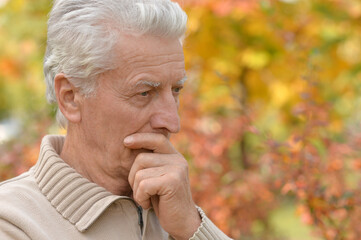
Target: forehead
149 50
150 57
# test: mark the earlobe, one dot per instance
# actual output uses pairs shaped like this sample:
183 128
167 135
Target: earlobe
68 98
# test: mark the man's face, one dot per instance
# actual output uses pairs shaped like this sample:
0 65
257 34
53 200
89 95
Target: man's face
140 96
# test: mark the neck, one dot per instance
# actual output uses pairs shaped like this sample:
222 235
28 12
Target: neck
84 160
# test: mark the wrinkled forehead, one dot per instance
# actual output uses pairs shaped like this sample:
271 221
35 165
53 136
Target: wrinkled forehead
150 46
148 58
149 50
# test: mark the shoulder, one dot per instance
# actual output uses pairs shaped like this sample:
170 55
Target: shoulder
19 192
19 198
17 185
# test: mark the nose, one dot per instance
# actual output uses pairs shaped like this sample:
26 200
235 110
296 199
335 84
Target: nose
165 115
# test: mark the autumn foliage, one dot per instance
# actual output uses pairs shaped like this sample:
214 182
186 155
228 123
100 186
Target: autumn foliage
270 113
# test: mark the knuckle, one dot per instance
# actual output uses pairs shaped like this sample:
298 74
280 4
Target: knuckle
175 178
138 176
139 196
142 158
161 140
136 197
183 163
142 186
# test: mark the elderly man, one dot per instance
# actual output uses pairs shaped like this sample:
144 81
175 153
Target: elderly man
115 68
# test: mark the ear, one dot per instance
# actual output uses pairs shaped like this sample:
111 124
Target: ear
68 97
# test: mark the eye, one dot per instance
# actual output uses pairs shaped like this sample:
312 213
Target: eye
177 89
144 94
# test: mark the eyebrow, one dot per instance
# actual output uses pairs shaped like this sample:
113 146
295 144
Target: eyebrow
157 84
182 81
149 83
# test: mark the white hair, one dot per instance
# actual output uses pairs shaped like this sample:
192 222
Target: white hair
82 35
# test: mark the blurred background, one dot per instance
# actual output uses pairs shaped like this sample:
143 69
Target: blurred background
270 116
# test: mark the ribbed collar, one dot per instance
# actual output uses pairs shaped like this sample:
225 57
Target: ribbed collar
77 199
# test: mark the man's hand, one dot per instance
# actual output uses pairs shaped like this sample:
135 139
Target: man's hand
160 179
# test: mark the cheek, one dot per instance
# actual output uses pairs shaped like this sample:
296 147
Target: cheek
128 120
114 120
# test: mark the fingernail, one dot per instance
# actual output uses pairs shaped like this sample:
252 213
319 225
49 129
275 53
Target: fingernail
128 140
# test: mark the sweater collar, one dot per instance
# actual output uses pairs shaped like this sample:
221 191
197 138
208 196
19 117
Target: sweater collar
77 199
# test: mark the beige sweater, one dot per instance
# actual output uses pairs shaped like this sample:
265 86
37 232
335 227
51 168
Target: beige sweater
52 201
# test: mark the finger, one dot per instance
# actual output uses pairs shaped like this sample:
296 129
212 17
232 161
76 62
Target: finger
156 142
146 189
152 160
169 184
146 174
